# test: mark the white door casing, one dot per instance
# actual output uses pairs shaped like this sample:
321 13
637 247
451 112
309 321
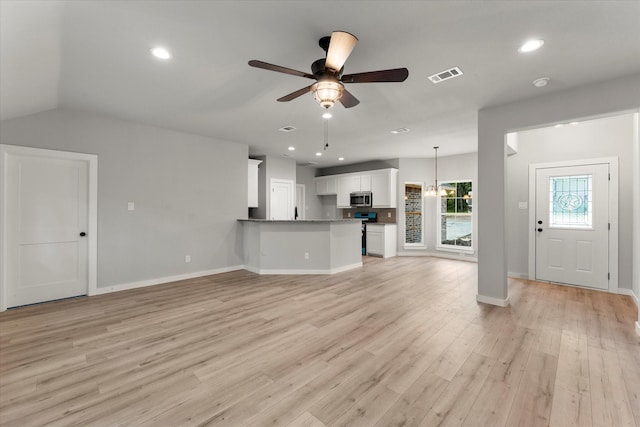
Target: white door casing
572 206
47 199
301 202
282 199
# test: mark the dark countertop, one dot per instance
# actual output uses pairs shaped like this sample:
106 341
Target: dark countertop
301 221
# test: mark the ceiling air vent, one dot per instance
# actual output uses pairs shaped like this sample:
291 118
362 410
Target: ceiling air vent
446 75
287 129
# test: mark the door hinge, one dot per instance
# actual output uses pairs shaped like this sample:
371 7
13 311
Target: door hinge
609 176
608 276
609 226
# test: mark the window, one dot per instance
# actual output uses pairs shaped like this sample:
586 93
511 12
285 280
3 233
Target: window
570 201
456 218
413 214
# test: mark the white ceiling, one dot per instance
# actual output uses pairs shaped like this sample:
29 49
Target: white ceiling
94 55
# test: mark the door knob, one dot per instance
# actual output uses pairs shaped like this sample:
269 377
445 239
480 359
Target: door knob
539 229
82 234
539 221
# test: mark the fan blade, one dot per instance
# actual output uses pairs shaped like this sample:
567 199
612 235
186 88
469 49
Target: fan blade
348 100
340 48
279 69
382 76
294 95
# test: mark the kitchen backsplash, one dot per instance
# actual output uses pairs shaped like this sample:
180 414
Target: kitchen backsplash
383 214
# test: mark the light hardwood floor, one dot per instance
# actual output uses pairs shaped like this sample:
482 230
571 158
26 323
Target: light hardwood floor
400 342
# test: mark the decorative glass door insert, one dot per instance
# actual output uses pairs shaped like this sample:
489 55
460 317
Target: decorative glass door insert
414 218
571 201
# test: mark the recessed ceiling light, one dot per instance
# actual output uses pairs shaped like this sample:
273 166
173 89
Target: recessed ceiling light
531 45
541 82
327 116
340 159
291 148
559 125
574 123
160 52
400 130
318 154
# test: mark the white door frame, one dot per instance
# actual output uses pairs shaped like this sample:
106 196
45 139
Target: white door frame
613 213
302 210
92 231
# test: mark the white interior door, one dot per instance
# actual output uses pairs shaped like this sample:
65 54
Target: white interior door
47 209
572 225
281 204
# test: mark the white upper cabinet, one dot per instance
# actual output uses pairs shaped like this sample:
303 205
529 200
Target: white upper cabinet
382 184
365 183
384 190
326 185
252 193
347 184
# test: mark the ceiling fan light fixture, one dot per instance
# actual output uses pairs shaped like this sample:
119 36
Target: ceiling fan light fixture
327 92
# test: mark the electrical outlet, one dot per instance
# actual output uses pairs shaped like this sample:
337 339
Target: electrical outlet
131 206
388 214
349 214
187 258
306 255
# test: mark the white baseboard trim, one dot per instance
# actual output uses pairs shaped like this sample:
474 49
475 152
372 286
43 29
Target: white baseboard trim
161 280
493 301
303 271
438 255
514 275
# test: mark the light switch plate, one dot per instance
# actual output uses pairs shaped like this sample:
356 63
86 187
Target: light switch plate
131 206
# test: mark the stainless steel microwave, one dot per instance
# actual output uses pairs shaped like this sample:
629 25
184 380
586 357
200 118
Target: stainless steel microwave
361 199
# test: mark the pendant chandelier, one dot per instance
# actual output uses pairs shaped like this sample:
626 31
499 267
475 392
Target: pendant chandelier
435 190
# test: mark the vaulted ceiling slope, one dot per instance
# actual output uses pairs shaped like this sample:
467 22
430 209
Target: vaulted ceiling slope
94 55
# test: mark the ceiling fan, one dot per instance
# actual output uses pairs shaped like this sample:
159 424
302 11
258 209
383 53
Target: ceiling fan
329 85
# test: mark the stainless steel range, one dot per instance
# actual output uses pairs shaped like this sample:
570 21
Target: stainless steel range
365 217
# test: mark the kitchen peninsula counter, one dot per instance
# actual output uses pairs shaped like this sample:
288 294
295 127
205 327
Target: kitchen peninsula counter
315 246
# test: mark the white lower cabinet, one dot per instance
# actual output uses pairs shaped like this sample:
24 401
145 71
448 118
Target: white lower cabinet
382 239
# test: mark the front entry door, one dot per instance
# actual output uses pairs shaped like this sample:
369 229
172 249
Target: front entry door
47 208
572 225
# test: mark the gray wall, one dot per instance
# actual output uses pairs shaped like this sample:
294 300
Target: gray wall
607 137
305 175
188 192
459 167
329 206
359 167
601 99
